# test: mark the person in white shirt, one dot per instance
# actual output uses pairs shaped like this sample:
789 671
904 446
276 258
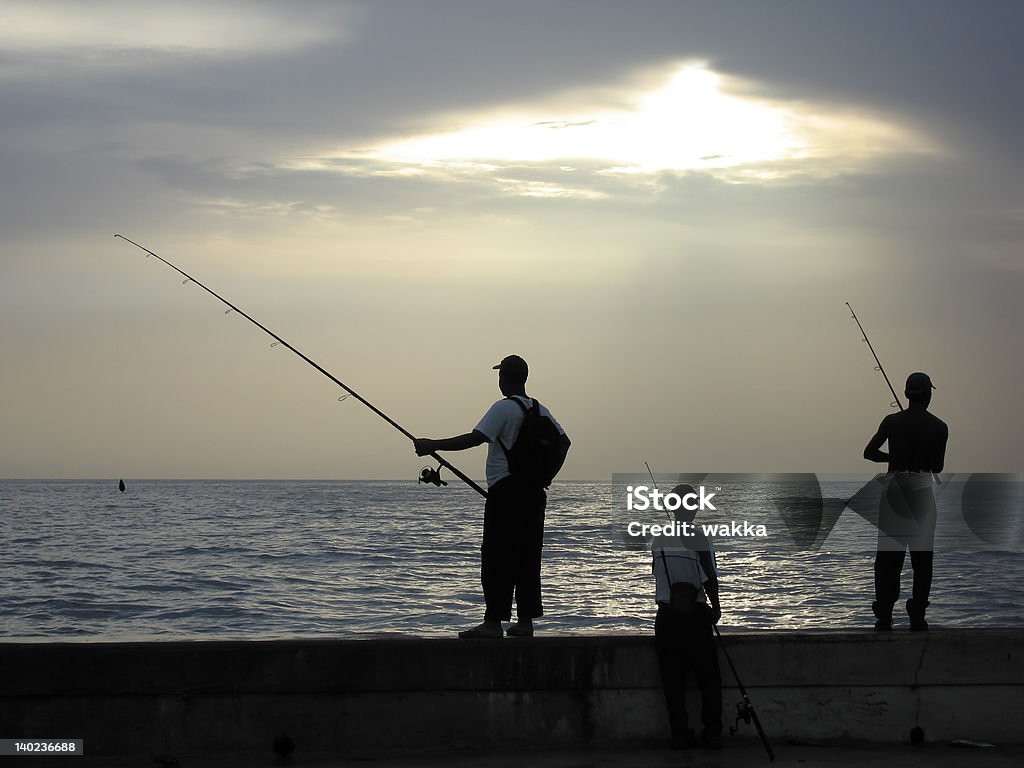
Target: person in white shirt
686 577
514 512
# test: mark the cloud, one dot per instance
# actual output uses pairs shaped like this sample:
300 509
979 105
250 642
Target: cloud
181 27
500 173
693 118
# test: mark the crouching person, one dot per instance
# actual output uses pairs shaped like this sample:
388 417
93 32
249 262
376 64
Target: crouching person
686 579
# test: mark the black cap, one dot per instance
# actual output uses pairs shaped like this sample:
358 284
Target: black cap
919 384
513 367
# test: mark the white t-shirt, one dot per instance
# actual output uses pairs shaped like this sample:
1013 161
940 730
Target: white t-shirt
683 565
502 422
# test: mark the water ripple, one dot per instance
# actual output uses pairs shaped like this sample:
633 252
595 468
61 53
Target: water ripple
284 559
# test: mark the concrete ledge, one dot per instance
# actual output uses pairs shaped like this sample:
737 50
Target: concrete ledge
358 695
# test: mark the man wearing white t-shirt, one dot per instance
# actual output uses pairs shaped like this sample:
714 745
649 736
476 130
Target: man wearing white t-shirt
686 577
514 513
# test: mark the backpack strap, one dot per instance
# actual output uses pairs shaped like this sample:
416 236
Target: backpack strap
526 410
523 405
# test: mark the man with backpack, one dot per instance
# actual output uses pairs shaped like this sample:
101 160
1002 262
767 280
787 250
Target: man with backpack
526 448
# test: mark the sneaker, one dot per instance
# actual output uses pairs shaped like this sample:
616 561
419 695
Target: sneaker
916 613
520 629
883 616
482 632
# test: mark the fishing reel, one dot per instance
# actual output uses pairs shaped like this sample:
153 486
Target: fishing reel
431 476
744 712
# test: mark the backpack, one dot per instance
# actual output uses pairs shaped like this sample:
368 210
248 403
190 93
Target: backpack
539 450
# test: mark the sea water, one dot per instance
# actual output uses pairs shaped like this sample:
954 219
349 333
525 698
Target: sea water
283 559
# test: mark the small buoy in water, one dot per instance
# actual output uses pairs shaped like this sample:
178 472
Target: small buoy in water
120 486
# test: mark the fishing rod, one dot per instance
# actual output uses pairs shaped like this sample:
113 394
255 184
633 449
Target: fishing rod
427 475
878 367
878 364
745 709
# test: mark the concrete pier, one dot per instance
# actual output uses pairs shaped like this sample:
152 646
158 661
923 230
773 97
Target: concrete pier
368 696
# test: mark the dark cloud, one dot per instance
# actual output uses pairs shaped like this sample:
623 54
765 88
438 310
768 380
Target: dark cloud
402 59
950 65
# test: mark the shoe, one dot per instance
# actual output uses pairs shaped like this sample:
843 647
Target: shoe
883 616
481 633
518 630
711 740
915 610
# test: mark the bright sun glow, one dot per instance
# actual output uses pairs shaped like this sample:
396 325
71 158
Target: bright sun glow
693 121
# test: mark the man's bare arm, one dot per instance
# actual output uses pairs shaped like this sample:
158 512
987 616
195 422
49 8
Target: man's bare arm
711 590
711 585
872 451
940 458
472 439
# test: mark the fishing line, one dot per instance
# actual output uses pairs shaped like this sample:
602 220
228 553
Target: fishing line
433 477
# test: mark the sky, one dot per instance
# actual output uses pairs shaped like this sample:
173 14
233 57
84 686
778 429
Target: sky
663 206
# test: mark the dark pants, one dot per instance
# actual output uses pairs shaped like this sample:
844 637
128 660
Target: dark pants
688 642
889 568
906 520
511 550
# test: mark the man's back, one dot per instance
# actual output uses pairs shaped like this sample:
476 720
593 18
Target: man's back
917 440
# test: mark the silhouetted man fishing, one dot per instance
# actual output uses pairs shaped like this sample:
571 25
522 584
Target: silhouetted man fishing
917 449
526 448
686 577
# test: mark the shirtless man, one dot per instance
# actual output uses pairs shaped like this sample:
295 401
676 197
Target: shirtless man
917 449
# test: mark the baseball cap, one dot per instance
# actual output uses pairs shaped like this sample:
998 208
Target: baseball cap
919 383
513 366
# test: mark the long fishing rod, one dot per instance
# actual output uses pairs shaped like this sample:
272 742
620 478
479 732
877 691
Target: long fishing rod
878 365
428 475
745 709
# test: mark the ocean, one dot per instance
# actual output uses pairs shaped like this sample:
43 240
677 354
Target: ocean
348 559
